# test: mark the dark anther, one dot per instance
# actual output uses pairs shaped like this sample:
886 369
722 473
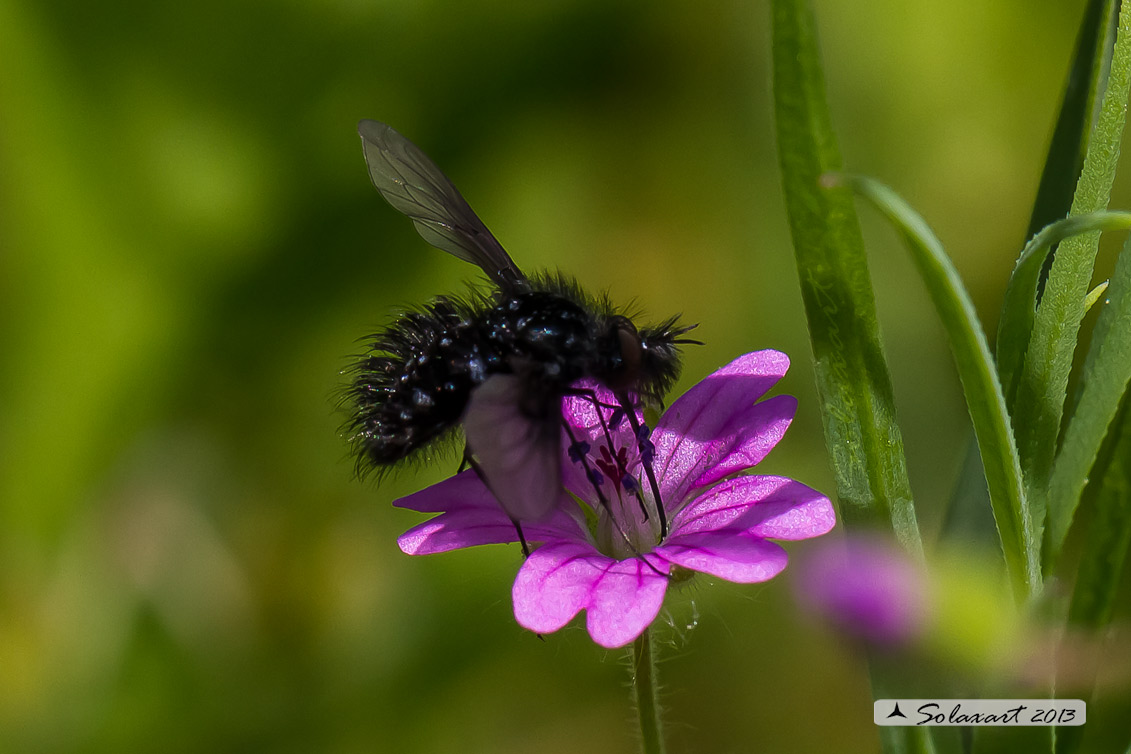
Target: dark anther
596 477
578 450
647 451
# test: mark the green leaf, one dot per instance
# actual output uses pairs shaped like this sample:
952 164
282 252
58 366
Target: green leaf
1019 539
1018 309
1095 295
1097 579
1044 378
1087 77
857 408
1096 586
1107 371
969 516
969 511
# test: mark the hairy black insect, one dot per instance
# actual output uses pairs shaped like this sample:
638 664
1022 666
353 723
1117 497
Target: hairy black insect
498 364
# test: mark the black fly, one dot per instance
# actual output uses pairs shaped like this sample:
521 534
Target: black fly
498 364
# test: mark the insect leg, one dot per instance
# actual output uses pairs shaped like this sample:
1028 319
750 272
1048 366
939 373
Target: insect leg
469 461
646 459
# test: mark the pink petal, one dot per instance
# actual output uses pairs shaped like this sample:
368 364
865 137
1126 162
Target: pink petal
464 490
580 412
581 416
452 531
469 516
467 528
716 429
625 603
770 507
732 555
560 579
733 440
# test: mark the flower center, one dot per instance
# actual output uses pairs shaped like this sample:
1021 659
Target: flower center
623 527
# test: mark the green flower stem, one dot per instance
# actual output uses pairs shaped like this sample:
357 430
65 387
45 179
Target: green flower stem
646 686
862 436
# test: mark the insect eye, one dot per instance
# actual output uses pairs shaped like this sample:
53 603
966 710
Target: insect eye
629 353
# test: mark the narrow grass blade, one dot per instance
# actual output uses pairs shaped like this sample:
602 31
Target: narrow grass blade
1019 308
1019 540
1102 563
1044 379
863 439
1107 371
1086 78
969 505
1097 579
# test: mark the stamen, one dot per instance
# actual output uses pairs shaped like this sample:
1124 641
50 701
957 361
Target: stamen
578 450
647 455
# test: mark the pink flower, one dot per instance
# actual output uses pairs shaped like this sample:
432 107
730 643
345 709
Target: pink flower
868 589
613 562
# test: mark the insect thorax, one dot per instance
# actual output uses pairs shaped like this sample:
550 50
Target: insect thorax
417 377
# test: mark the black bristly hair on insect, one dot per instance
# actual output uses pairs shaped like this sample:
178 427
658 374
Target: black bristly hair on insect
498 364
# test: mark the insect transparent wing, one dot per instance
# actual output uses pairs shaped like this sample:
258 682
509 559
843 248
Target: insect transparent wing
412 183
520 457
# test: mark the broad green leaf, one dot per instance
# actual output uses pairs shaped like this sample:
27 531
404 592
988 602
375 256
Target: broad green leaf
1107 371
1044 379
857 408
1019 540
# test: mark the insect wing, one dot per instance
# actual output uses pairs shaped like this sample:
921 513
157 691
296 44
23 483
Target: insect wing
415 186
519 456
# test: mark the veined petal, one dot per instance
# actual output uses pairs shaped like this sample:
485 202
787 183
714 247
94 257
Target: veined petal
770 507
464 490
626 601
737 556
470 527
585 424
554 584
560 579
716 428
469 516
741 438
453 531
579 411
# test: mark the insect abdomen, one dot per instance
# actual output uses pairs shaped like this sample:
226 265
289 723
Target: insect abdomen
417 381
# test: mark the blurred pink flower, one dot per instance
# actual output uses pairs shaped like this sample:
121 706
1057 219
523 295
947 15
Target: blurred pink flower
866 588
612 562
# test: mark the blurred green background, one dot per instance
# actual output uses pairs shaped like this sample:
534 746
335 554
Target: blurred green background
190 250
